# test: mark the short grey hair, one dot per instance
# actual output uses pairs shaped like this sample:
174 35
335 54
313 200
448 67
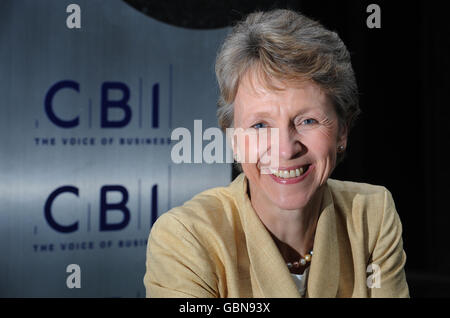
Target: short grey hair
288 46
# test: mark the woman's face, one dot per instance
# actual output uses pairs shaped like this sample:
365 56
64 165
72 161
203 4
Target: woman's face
309 135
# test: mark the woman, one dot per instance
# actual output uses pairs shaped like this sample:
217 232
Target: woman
293 232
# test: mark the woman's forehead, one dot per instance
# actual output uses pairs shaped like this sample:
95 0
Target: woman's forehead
258 81
255 95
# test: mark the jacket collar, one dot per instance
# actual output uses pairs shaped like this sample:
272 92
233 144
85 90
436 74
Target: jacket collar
267 265
323 278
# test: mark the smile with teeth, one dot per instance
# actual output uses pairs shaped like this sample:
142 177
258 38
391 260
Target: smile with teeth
286 174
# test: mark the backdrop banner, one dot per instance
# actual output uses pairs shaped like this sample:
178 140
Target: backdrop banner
85 148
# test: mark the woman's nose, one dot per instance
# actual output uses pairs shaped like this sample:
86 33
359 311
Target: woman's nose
289 146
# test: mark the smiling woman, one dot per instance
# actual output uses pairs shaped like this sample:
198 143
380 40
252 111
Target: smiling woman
309 135
293 232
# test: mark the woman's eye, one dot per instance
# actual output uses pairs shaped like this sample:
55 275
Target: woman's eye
309 121
259 125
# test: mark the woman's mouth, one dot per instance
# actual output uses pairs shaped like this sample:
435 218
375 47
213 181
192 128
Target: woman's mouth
291 175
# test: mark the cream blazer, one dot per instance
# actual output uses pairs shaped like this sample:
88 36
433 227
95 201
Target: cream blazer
215 245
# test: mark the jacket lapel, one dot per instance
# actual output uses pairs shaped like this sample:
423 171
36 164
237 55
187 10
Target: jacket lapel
267 268
323 277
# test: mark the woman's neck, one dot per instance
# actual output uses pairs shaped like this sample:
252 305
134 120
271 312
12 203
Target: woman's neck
292 230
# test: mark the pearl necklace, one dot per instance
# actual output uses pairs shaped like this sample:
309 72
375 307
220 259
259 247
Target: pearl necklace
303 261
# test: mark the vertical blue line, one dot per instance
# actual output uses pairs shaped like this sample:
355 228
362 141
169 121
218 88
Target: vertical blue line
170 95
140 102
36 124
155 106
139 204
89 218
90 113
35 230
154 205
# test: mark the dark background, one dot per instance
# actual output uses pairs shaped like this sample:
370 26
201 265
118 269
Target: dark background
400 140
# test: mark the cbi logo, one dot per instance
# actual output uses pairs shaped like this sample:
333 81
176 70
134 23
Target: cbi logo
108 105
106 208
114 100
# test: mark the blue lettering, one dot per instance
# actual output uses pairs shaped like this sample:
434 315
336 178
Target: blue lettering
155 106
121 206
121 103
49 104
48 210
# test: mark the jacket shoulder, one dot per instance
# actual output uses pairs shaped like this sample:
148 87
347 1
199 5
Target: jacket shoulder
362 207
348 187
211 212
353 195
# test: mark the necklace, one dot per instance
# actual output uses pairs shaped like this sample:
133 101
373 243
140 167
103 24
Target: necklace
302 262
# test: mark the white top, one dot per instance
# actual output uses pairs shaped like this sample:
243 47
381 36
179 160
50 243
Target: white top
301 281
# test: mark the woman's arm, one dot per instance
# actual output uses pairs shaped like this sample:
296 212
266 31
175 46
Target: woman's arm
389 256
177 264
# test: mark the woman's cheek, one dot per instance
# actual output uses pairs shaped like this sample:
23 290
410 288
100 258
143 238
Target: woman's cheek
259 148
320 142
